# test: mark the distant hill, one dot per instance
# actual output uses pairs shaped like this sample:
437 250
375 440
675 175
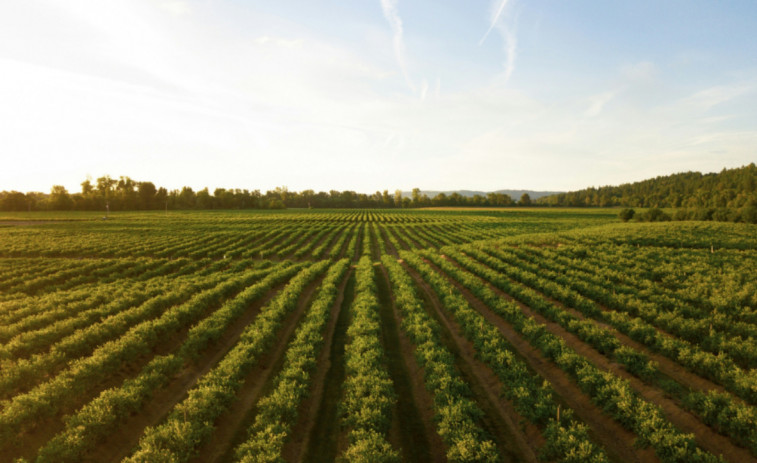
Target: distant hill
727 189
514 194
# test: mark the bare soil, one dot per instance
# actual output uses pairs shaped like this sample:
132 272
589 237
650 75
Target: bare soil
325 438
120 443
516 439
231 426
46 428
616 440
413 426
307 413
706 437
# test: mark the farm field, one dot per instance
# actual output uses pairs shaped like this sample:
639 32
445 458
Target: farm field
376 335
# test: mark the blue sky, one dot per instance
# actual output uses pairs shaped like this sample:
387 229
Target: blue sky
369 95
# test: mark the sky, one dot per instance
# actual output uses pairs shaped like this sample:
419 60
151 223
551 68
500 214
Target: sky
368 95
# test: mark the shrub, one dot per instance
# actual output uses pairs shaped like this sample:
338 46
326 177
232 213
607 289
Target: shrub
626 214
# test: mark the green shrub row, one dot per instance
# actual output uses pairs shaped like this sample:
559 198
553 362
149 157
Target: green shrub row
532 397
719 368
307 248
192 421
336 249
277 411
24 373
733 416
105 413
47 399
455 412
662 313
367 393
613 394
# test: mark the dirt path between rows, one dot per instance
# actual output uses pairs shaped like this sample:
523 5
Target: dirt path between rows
231 426
121 442
666 365
307 413
403 243
413 426
390 248
324 438
617 441
47 427
516 439
706 437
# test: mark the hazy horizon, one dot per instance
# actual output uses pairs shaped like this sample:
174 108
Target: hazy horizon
374 95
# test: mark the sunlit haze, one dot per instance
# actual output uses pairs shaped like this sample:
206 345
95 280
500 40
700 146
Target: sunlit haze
374 95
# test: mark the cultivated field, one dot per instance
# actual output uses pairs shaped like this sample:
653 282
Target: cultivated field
516 335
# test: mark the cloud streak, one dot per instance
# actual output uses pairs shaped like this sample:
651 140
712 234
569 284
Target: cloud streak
499 20
389 7
494 20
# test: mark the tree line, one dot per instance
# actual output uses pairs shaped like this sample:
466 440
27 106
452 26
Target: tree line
732 188
726 196
125 194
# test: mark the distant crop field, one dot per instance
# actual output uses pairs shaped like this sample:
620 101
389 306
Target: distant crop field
376 335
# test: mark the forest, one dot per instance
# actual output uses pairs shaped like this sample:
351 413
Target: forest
730 188
727 196
126 194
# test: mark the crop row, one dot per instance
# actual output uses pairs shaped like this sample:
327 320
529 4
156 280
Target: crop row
192 421
533 398
712 332
47 399
102 416
718 368
455 412
20 374
277 411
736 419
368 393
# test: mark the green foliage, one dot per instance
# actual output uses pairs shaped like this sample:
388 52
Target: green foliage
368 394
192 421
626 214
456 414
277 411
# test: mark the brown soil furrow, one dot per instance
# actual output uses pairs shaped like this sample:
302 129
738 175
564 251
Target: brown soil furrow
393 230
667 366
120 443
231 426
299 436
325 437
389 245
687 422
46 428
517 440
413 426
332 237
617 441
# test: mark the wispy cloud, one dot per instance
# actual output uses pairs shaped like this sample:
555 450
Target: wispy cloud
389 7
501 19
424 89
496 14
598 102
714 96
286 43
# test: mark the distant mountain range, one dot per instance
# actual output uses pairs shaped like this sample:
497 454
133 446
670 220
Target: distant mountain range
514 194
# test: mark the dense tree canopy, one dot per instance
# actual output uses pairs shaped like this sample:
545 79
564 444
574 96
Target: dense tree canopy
730 195
730 188
127 194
